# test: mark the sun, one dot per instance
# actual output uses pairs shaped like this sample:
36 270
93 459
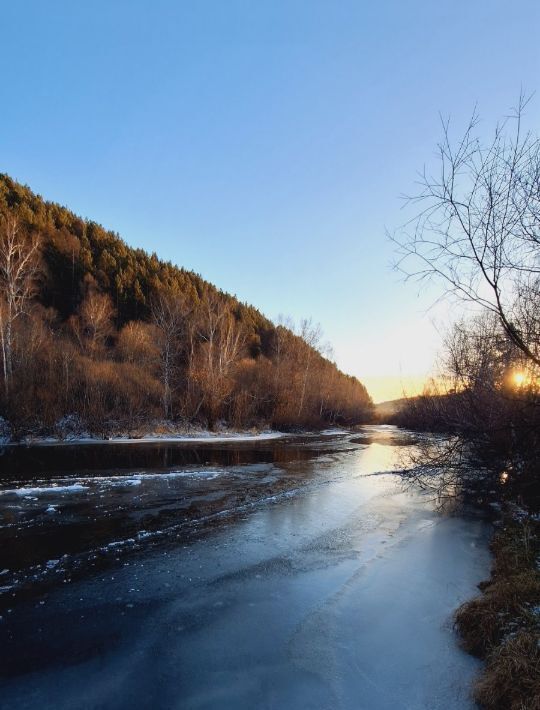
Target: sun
519 378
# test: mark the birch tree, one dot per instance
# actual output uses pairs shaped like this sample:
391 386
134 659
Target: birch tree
19 266
311 336
222 340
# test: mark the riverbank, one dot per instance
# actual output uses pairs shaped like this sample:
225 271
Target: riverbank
502 625
201 437
160 432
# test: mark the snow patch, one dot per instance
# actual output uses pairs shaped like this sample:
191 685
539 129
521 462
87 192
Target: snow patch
45 490
202 438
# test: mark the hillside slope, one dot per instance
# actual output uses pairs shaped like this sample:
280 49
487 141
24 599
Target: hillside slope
106 337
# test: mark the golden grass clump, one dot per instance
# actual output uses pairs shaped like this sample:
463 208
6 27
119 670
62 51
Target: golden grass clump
503 624
511 679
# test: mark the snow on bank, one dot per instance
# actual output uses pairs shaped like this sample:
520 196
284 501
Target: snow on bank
199 437
204 437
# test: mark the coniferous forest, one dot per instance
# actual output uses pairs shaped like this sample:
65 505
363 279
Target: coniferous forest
102 338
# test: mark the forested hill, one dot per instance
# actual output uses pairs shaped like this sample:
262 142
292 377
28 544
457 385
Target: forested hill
76 250
99 336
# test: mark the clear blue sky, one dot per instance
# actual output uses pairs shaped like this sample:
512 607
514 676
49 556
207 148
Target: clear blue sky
261 144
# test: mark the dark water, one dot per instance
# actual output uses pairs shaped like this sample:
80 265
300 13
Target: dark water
25 462
276 574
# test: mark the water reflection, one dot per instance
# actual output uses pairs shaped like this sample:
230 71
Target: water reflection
29 461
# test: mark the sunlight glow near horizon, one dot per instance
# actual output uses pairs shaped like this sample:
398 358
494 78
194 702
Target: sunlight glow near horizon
384 388
264 145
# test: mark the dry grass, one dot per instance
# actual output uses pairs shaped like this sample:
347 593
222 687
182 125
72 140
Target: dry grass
503 624
511 679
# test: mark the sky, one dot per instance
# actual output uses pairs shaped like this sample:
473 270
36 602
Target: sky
265 145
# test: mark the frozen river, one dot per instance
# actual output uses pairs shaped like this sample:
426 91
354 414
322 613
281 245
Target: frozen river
279 575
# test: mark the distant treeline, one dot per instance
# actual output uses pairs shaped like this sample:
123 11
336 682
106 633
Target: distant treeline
99 336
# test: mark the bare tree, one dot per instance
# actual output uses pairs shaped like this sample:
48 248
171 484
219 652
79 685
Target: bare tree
222 340
478 228
19 266
138 343
311 335
477 231
96 316
169 314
